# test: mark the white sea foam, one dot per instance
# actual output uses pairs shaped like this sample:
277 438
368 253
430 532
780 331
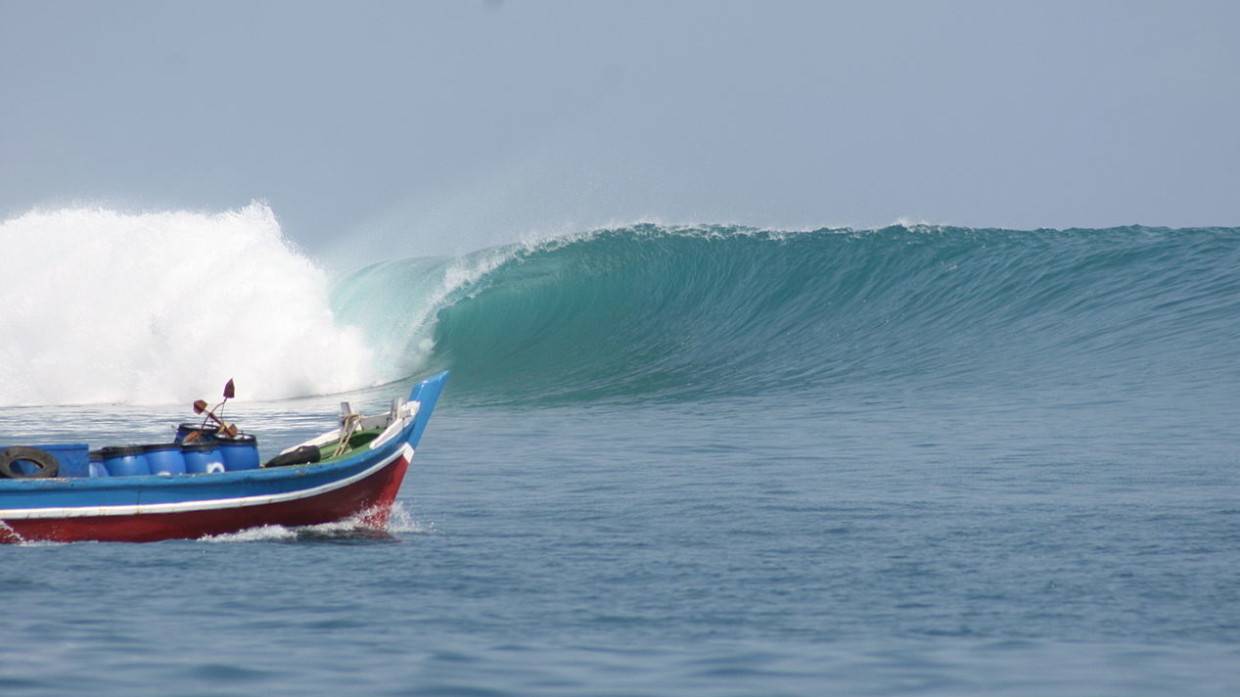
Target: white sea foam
265 533
399 521
100 306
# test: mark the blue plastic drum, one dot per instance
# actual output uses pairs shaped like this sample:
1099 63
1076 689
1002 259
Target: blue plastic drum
205 433
164 458
125 461
240 453
95 466
202 458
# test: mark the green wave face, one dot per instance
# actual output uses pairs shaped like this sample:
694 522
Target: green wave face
690 313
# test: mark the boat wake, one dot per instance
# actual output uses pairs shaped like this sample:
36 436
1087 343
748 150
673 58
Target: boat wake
360 528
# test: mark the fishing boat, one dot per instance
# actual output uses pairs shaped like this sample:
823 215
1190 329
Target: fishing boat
209 480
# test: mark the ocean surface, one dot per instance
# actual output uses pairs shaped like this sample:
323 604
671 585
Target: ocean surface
670 461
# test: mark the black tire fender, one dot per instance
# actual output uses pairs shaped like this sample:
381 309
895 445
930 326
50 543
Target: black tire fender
46 462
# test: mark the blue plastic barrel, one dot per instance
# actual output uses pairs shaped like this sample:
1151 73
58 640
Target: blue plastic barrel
205 433
202 458
164 458
240 453
96 467
125 461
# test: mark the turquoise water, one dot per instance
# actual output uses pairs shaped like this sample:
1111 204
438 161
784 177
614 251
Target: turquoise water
705 461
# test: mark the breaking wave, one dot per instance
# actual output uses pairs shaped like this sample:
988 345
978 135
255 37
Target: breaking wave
683 313
103 306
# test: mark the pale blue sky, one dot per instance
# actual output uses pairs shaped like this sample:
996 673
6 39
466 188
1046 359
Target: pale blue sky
441 126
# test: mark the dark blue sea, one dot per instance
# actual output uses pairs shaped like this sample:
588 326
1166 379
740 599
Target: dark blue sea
703 461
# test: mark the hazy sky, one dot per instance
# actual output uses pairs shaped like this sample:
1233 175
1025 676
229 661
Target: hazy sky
441 126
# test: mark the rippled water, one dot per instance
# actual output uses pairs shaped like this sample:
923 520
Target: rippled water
722 547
